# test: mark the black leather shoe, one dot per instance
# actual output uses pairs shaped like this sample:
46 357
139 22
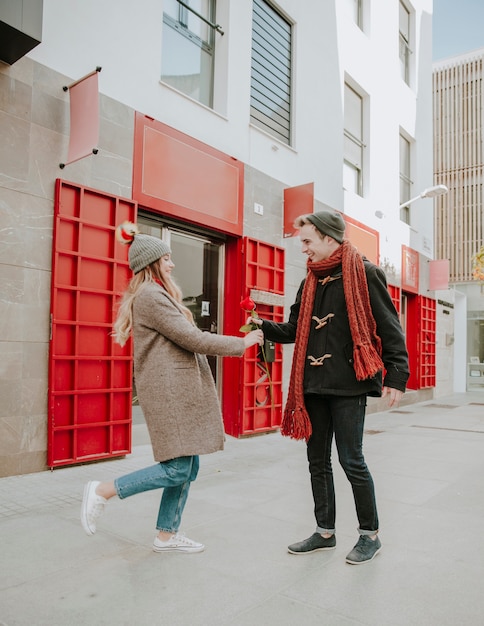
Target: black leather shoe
365 550
313 544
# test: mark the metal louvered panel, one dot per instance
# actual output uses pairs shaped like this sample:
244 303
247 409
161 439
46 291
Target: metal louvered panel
459 163
270 97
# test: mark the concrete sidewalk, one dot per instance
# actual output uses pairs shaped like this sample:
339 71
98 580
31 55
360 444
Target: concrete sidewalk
247 505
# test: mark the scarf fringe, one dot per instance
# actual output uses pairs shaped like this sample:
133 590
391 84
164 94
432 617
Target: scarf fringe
296 424
366 361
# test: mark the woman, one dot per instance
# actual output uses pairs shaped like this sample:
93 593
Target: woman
175 389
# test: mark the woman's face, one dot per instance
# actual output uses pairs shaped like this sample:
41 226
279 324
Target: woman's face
166 265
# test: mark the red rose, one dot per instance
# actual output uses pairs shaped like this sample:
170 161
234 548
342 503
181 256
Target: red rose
248 304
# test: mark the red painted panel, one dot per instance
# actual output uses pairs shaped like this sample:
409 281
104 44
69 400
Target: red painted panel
95 241
84 117
439 274
93 408
66 303
410 270
89 375
364 238
232 368
185 178
99 210
297 201
64 341
67 270
264 267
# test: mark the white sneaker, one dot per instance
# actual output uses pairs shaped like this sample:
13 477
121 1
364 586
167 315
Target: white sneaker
92 507
179 543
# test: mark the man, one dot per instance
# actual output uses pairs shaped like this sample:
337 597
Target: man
346 332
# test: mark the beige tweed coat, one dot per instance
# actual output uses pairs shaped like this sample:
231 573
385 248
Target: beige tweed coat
174 383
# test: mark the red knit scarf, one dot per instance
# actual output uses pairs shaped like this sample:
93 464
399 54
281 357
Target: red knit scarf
366 343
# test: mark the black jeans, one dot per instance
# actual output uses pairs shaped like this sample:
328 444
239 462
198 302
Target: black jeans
345 417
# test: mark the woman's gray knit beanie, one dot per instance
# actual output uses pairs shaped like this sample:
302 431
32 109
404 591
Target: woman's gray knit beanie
144 250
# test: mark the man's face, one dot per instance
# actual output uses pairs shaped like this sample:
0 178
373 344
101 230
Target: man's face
316 247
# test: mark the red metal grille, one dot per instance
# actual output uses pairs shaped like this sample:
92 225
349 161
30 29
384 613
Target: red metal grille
395 294
421 337
427 340
262 388
89 375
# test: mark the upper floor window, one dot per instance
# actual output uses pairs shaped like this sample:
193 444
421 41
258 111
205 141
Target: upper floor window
270 88
355 9
188 49
405 51
405 179
353 141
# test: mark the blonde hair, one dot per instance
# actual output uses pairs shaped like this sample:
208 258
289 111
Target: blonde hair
152 273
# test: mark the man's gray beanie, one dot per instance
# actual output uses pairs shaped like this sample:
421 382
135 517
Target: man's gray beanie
328 223
144 250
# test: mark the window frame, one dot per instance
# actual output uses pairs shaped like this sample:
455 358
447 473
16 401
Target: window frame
355 140
180 26
405 40
405 177
356 11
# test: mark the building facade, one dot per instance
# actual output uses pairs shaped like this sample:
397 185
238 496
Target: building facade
218 122
459 218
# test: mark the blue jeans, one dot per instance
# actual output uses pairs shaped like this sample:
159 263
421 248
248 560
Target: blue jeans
174 477
345 417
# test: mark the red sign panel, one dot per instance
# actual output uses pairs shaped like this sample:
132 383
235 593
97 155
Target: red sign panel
182 177
84 117
410 275
439 274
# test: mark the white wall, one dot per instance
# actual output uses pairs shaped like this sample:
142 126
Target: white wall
371 59
125 39
460 342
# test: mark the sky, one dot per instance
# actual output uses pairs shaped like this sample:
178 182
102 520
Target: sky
458 27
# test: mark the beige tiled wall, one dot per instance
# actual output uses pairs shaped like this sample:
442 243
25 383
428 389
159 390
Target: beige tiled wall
34 131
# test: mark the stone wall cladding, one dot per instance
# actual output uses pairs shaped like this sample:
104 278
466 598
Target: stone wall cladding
34 126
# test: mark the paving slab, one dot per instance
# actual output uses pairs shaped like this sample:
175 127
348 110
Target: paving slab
248 503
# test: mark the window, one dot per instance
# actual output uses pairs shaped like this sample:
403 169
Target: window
355 9
353 141
270 88
405 180
187 58
405 51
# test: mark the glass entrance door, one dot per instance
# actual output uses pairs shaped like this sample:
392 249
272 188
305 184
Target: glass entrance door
198 272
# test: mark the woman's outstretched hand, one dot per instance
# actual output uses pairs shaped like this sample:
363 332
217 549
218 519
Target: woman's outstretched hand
253 338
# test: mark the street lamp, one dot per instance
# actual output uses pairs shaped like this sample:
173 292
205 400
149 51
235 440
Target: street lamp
431 192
